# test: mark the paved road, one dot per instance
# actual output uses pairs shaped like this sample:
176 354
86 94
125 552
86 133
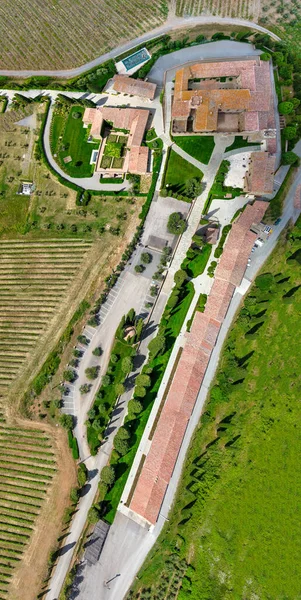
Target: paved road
171 24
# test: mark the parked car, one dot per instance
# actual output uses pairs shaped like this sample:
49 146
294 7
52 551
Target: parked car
277 221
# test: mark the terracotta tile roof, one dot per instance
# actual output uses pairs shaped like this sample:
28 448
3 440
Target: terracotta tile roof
136 87
259 178
168 437
252 94
132 119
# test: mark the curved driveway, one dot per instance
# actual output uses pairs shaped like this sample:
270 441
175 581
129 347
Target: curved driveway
170 24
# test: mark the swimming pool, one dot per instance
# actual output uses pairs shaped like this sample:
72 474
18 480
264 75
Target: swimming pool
139 57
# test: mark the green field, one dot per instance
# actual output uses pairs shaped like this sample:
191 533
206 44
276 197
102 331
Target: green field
200 147
69 139
178 172
234 530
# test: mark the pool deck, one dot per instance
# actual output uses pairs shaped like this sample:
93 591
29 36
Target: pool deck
121 67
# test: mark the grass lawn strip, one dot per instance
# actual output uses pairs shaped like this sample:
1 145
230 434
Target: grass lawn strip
178 172
229 520
199 147
74 140
239 142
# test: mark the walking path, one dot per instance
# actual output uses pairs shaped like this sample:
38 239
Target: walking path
171 24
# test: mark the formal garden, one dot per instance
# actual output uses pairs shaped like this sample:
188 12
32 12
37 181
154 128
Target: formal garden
69 140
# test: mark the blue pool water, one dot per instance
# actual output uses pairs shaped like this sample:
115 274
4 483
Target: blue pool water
136 59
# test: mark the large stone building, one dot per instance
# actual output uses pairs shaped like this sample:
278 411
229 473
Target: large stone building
224 96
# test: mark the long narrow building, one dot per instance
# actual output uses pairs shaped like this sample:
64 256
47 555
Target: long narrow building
166 443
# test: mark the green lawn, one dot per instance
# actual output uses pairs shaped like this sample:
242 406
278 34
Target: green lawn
178 172
200 147
234 530
74 141
239 142
124 463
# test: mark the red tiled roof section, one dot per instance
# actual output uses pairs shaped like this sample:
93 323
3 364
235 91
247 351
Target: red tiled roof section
252 94
168 437
136 87
259 178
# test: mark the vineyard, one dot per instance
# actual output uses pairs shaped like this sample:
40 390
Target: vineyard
34 279
27 466
245 9
65 34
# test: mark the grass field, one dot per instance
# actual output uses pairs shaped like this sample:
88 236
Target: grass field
65 35
239 142
200 147
69 138
234 529
178 172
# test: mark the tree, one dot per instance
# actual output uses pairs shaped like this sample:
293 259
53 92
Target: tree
139 268
93 515
193 188
107 475
285 108
97 351
69 375
265 56
123 433
114 359
77 353
120 389
143 380
139 329
122 446
176 224
106 380
83 340
92 372
278 58
153 290
146 257
66 421
179 277
82 474
127 364
134 407
157 345
289 132
102 490
85 388
140 391
289 158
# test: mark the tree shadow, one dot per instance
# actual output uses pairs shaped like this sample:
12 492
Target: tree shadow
65 549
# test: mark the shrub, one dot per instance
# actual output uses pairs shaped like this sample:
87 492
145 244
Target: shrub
93 515
122 446
107 475
127 364
74 495
176 224
265 56
97 351
179 277
143 380
139 268
157 345
289 158
114 359
106 380
85 388
134 407
120 389
76 115
289 132
92 372
146 257
83 340
82 474
122 433
66 421
69 375
285 108
102 490
140 391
